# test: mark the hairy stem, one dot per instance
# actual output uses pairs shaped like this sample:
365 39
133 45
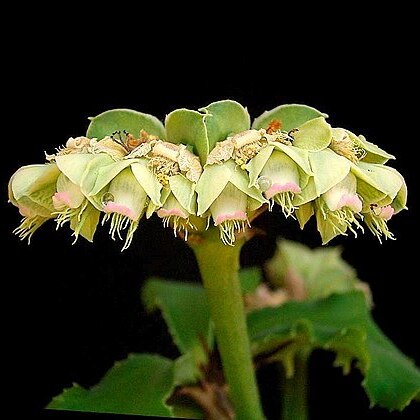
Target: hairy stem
219 265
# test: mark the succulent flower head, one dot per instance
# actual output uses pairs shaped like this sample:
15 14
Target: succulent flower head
291 157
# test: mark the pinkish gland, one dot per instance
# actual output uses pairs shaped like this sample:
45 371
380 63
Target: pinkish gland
281 188
61 199
112 207
24 211
351 201
162 213
237 215
384 213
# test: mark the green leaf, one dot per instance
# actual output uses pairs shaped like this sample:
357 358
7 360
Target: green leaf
185 370
340 323
392 379
223 119
124 119
138 385
185 309
324 318
349 345
250 278
291 116
188 127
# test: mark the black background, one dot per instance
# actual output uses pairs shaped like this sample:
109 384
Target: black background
74 310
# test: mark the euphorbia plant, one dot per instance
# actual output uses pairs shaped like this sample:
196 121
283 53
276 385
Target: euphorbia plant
208 174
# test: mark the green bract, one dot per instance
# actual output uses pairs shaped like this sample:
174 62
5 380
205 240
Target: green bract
204 128
124 119
207 164
290 116
31 189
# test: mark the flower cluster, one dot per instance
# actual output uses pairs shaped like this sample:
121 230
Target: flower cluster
130 166
120 176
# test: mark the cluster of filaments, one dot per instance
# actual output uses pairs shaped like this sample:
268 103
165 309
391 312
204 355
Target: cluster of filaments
127 177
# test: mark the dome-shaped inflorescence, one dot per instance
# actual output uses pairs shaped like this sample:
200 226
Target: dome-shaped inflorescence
210 167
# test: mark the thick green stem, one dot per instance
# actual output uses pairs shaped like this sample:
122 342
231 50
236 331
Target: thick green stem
295 390
219 266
